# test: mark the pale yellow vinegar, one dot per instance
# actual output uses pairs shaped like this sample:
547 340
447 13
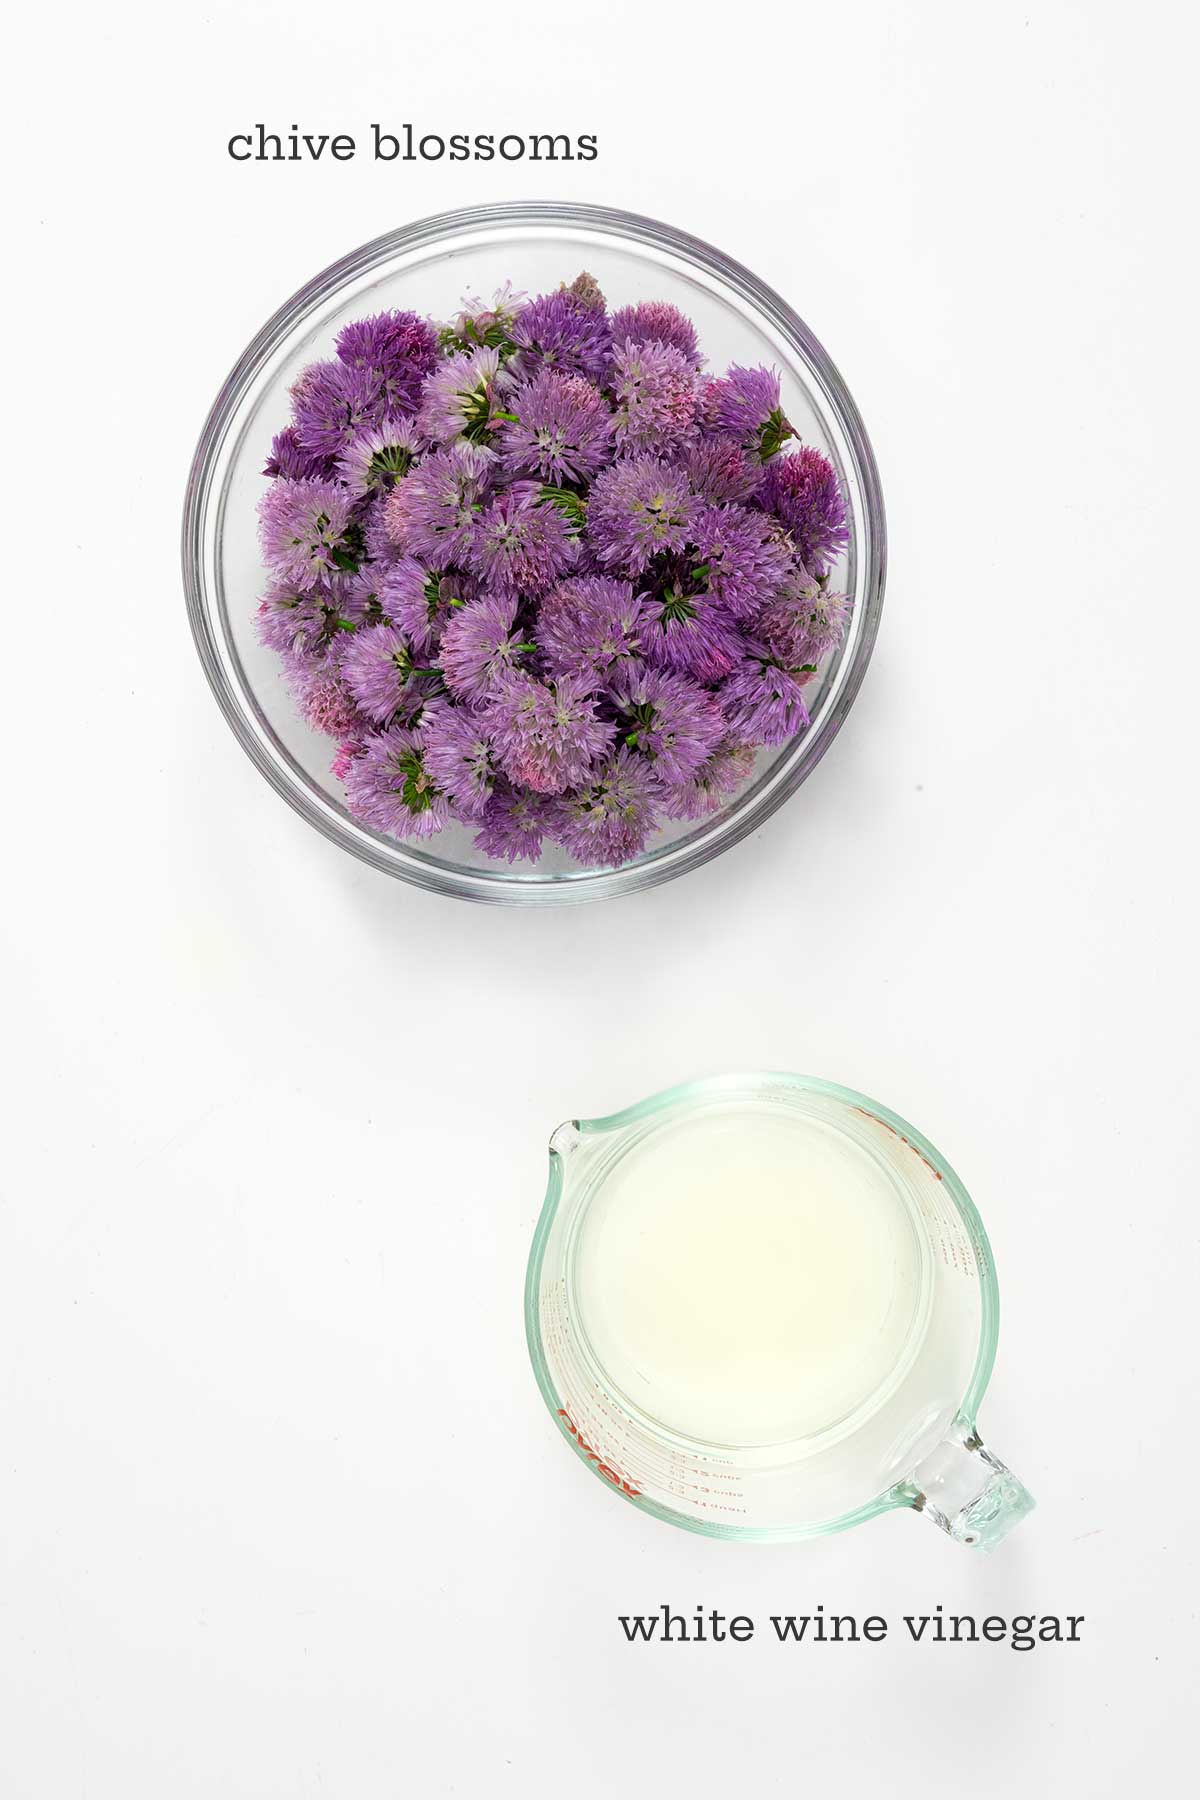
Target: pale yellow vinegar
748 1278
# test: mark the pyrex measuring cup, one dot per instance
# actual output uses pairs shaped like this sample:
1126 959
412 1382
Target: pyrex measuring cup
670 1375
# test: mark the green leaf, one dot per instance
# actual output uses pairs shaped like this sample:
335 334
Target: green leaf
572 506
773 434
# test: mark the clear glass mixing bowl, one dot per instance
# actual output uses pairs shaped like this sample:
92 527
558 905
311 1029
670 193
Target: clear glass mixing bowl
427 267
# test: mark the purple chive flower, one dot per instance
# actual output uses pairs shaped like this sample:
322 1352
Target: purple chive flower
763 702
293 622
331 404
346 752
587 292
380 670
609 820
458 756
479 323
354 598
803 623
464 397
562 331
586 560
292 461
389 788
421 601
306 622
521 543
657 322
378 547
431 511
746 562
692 633
395 350
654 387
306 531
479 645
358 596
513 823
377 457
714 781
547 734
804 493
720 470
637 509
667 717
561 432
828 616
324 700
745 406
590 625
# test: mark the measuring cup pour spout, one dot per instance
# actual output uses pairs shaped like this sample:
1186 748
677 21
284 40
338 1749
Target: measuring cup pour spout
967 1492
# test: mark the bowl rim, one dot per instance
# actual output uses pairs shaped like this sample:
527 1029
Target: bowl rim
391 857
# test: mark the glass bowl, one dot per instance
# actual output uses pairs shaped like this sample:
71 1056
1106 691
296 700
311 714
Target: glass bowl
427 267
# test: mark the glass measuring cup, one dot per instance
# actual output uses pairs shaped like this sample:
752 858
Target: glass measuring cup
669 1372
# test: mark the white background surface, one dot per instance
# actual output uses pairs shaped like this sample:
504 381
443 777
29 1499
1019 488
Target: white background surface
282 1513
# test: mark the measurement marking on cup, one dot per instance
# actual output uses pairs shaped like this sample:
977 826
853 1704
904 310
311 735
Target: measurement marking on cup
875 1119
586 1450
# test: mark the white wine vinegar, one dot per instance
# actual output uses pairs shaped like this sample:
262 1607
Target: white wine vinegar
749 1277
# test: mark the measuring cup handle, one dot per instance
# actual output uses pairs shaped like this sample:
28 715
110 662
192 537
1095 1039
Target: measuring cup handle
968 1492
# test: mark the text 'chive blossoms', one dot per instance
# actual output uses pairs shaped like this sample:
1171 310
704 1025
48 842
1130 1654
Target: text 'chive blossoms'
538 574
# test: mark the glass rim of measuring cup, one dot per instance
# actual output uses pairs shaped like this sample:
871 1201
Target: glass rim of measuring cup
902 1493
